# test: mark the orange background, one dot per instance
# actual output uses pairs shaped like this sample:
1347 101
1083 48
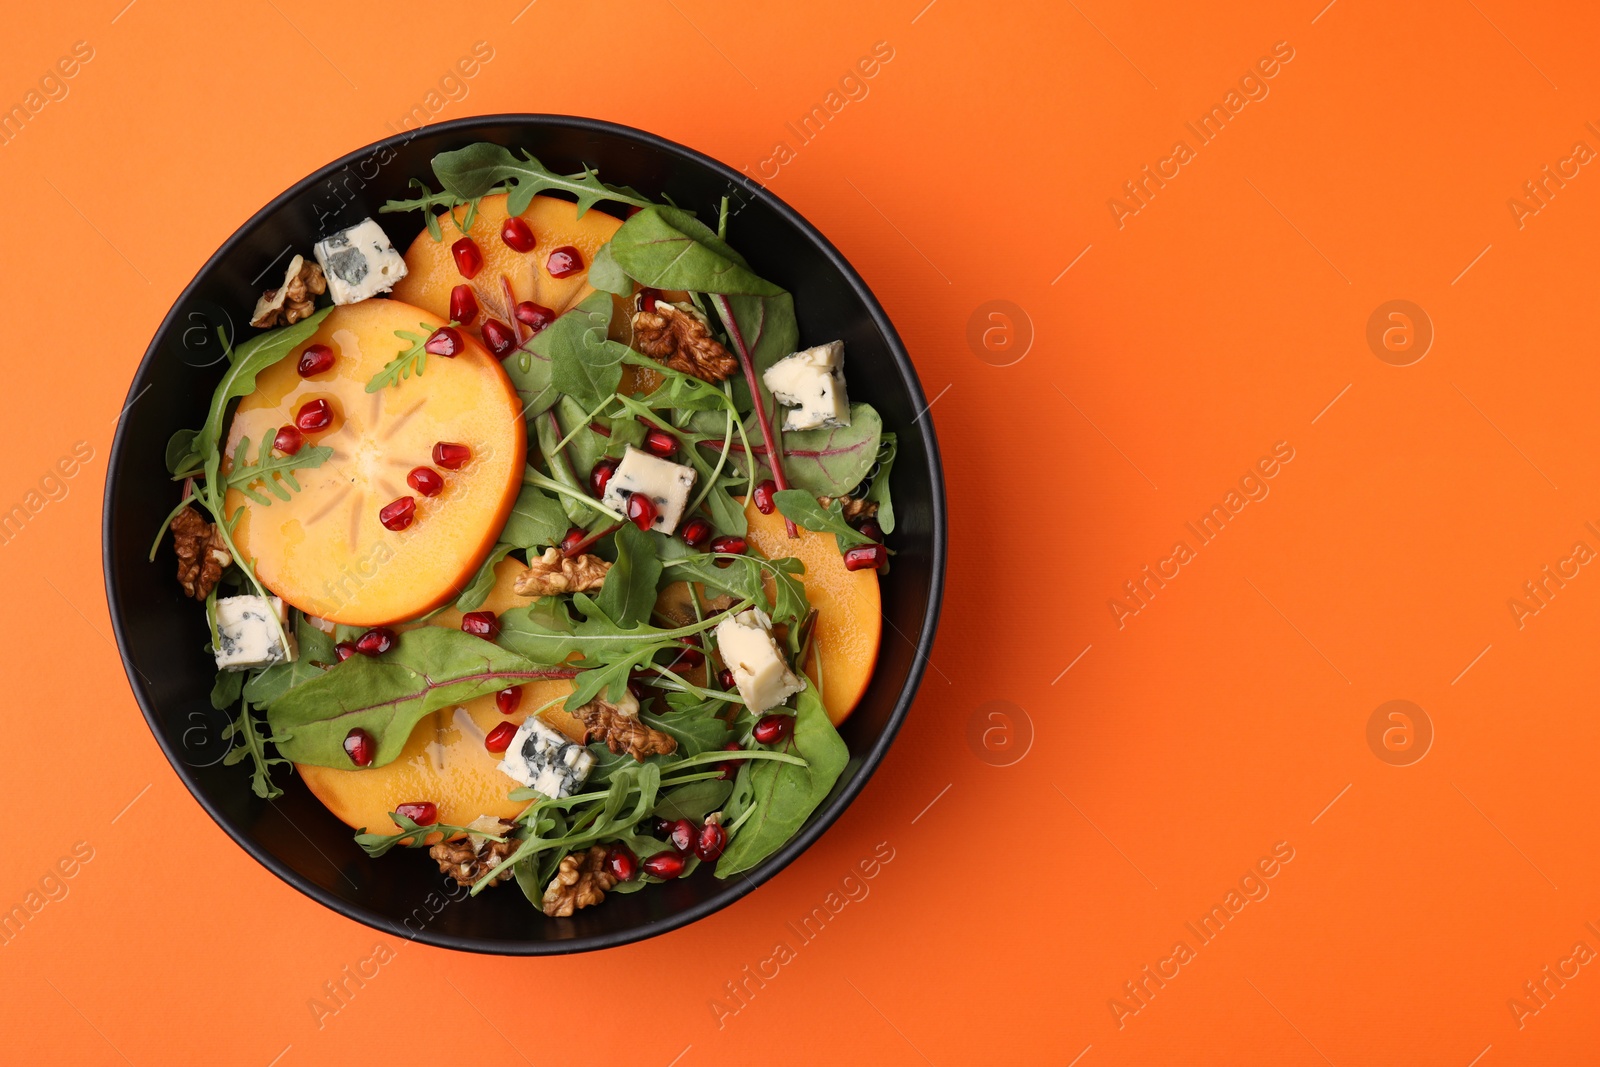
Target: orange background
1228 715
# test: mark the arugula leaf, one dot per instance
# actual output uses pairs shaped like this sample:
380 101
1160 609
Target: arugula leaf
878 492
275 473
429 669
248 740
607 275
471 172
782 796
477 591
801 507
629 591
535 521
411 360
412 834
666 248
831 461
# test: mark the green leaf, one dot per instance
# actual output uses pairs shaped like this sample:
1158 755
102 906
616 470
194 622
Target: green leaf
274 474
477 591
607 275
696 731
376 845
180 451
832 461
693 801
666 248
629 592
225 691
878 493
583 363
782 795
802 508
536 520
430 668
411 360
471 172
315 654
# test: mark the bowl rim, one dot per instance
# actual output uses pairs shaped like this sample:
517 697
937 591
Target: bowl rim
734 889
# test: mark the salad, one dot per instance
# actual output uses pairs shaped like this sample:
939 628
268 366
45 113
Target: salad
547 546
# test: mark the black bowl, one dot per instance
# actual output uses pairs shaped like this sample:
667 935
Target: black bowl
162 635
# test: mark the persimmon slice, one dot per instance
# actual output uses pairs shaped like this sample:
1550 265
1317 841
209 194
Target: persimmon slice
325 549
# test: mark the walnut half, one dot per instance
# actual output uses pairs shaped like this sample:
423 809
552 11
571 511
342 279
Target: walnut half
552 574
469 858
620 727
202 554
295 299
581 881
678 337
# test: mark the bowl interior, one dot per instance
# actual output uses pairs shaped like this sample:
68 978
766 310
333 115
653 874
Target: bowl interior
162 635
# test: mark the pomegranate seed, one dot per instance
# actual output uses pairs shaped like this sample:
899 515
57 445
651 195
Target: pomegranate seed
648 298
710 842
463 305
725 679
508 700
689 658
866 558
535 316
451 457
421 812
314 415
730 544
600 476
499 337
661 828
468 256
399 514
729 768
665 865
763 494
773 729
682 835
289 440
638 689
573 538
660 443
315 360
696 532
360 747
499 739
642 511
426 481
564 262
517 235
871 529
344 650
445 341
484 624
621 863
376 641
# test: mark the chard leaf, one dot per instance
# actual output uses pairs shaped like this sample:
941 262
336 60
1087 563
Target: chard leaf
430 668
666 248
629 591
180 451
315 654
830 461
471 172
583 363
607 275
803 509
225 691
878 492
781 796
536 520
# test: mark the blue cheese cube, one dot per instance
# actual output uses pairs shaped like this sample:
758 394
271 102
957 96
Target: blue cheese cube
543 759
759 668
359 262
665 483
252 631
811 385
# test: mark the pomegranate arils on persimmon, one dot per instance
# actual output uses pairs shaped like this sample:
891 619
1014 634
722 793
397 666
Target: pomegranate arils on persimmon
463 305
508 700
426 481
314 416
564 262
763 496
376 641
696 532
731 544
421 812
600 476
621 862
445 341
518 235
660 443
360 747
451 457
710 842
642 511
499 739
398 515
289 440
534 316
773 729
866 558
665 865
500 338
484 624
314 360
468 257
